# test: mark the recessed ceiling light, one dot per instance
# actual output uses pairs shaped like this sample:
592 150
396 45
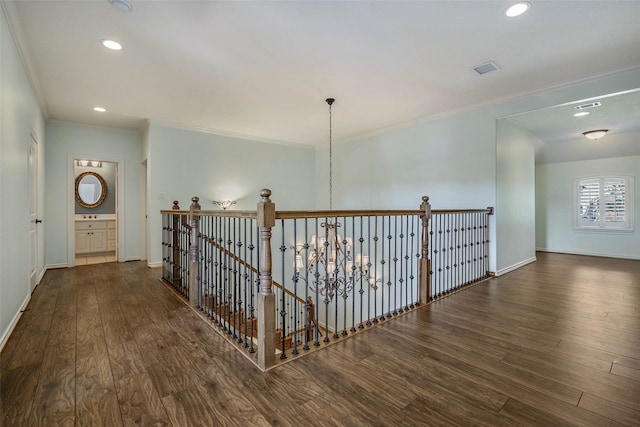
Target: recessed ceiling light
99 109
111 44
581 114
122 5
517 9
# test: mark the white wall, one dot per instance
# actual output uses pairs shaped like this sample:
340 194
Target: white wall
67 141
555 213
451 160
182 164
515 206
19 115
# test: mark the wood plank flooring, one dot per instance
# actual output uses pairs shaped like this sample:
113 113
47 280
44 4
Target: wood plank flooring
554 343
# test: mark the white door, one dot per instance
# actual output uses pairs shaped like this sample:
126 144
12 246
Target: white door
33 210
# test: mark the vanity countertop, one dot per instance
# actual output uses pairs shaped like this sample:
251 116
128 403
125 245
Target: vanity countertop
95 217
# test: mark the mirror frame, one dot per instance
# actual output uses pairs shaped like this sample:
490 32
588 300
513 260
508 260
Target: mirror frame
102 196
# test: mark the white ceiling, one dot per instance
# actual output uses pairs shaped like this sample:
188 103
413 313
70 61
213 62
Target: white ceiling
262 69
617 112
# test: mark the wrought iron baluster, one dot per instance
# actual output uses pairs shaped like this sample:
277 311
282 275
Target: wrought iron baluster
253 227
389 280
467 247
227 279
307 306
316 275
375 270
336 275
295 288
382 268
400 243
475 252
414 259
237 299
362 270
447 247
245 275
368 284
283 312
353 274
217 267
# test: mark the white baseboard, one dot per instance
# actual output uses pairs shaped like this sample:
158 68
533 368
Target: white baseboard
154 264
515 266
587 254
14 322
52 266
41 275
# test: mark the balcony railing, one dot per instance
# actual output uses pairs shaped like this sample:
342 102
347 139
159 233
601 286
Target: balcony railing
331 274
459 250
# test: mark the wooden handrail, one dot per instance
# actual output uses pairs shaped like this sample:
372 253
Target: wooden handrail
453 211
324 214
222 214
342 213
300 214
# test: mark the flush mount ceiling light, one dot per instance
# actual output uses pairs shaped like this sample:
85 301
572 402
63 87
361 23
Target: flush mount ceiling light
111 44
122 5
596 133
517 9
99 109
581 114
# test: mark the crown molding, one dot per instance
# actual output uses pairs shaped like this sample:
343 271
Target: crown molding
13 21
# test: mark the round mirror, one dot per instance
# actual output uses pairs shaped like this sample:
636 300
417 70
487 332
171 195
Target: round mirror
91 190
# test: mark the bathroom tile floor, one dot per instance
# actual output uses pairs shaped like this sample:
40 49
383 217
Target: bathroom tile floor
96 259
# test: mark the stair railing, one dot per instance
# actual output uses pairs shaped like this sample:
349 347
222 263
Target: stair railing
329 285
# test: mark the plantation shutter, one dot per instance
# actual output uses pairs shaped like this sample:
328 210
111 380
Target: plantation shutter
615 200
589 202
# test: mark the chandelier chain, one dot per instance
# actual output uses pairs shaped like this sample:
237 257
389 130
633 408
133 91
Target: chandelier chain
330 163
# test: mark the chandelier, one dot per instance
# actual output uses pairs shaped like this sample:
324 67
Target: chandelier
331 268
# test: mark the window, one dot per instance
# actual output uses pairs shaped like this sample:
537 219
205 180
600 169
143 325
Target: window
604 203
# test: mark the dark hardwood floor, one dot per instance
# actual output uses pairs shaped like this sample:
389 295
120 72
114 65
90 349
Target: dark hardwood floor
554 343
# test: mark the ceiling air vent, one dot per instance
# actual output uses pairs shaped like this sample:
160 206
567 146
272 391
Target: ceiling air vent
589 105
486 68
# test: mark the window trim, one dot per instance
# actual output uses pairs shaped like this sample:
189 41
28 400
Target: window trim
602 227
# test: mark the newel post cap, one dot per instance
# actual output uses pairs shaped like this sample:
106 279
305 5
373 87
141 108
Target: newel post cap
265 193
194 202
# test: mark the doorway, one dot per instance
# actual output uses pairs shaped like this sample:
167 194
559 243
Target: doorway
33 212
95 211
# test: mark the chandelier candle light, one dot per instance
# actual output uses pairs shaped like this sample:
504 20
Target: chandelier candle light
331 263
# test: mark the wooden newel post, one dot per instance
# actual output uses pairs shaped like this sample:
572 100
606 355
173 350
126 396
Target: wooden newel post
194 253
266 297
176 276
425 262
